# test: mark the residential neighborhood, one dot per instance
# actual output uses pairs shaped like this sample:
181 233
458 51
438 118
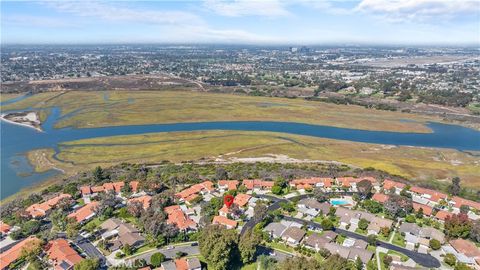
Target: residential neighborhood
377 224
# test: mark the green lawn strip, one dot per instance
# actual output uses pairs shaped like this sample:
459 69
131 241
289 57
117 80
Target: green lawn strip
251 266
340 239
280 247
399 240
94 222
382 265
402 256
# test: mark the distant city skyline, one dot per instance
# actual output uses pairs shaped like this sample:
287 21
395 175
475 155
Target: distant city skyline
269 22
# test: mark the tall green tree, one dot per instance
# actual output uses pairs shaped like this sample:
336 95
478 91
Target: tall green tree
248 244
87 264
455 187
218 246
157 259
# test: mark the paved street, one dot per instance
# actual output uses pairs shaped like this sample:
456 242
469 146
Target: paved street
90 249
425 260
169 253
277 254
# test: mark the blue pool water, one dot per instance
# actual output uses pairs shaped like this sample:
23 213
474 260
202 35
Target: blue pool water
339 202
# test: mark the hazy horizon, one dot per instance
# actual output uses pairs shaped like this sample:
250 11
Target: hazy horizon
243 22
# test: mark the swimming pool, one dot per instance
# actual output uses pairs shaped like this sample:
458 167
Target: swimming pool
338 202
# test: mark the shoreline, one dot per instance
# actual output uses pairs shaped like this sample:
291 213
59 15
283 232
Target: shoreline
3 118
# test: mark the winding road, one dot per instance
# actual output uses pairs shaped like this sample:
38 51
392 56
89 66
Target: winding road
425 260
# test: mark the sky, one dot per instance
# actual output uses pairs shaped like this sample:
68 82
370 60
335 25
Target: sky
296 22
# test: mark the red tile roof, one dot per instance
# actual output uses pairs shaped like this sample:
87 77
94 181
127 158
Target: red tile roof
146 200
224 221
461 201
118 186
13 254
59 251
388 184
435 196
134 186
181 264
177 217
84 212
187 193
40 209
86 190
465 247
379 197
230 184
224 210
108 187
4 227
241 199
442 215
251 184
301 183
427 210
98 189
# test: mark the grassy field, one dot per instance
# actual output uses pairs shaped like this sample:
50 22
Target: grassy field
37 101
418 164
113 108
6 97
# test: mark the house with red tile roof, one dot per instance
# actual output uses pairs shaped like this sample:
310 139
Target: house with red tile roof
145 200
224 211
42 209
192 192
380 197
84 213
427 210
86 190
230 224
134 186
257 184
311 182
106 187
13 254
4 228
428 194
188 264
98 189
389 184
351 182
228 184
442 215
457 202
61 255
466 248
177 216
241 199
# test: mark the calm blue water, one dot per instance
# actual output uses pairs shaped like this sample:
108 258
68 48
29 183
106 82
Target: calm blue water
16 140
338 202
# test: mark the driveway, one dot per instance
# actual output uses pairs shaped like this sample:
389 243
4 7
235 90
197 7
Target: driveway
279 255
90 249
425 260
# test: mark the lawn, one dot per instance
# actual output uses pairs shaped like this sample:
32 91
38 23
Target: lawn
382 265
340 239
398 240
92 109
383 238
95 222
280 246
251 266
360 231
402 256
